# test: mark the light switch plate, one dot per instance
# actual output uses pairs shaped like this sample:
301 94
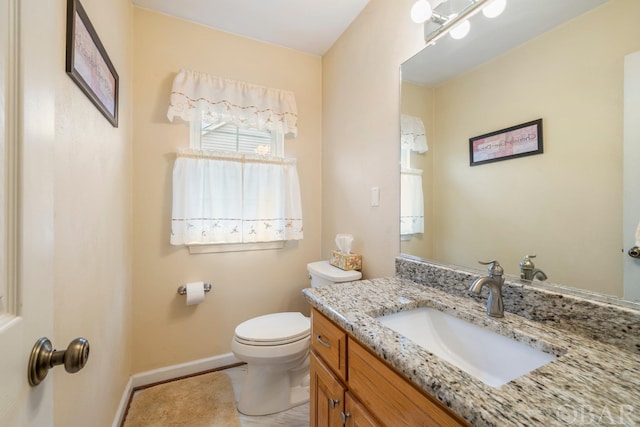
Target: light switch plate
375 196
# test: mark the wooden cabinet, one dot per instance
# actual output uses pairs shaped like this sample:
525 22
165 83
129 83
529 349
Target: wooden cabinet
396 401
352 386
327 395
331 404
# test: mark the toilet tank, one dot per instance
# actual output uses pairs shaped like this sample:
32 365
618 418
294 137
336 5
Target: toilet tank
321 273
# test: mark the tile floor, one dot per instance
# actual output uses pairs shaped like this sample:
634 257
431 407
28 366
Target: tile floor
295 417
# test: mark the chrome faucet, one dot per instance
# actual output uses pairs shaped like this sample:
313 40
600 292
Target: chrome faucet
495 307
528 271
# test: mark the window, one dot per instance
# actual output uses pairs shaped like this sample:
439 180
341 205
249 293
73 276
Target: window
229 137
233 186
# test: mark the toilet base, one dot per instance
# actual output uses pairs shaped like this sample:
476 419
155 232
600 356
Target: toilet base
298 396
283 391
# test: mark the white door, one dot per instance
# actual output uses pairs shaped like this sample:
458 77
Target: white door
631 175
27 121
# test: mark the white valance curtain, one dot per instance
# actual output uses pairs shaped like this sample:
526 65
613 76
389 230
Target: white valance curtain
411 202
234 198
412 134
200 96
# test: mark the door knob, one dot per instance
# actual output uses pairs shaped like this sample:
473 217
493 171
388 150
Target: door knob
44 357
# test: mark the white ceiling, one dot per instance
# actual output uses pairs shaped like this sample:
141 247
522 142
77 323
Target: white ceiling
310 26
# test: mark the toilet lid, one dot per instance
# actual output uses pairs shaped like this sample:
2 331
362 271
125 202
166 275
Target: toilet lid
274 329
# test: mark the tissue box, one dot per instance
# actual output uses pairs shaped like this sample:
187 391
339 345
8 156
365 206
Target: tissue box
346 261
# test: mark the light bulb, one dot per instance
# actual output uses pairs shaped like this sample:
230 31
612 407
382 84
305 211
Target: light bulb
421 11
494 8
460 30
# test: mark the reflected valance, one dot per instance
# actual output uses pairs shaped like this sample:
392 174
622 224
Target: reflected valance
412 134
200 96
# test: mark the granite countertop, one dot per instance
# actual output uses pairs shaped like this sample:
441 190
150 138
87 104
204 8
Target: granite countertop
590 382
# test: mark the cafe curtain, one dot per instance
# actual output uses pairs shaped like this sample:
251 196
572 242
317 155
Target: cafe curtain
234 198
411 202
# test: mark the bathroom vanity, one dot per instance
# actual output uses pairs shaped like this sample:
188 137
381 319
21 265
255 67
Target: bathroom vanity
342 368
367 374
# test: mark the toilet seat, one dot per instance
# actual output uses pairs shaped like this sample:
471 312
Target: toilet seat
273 329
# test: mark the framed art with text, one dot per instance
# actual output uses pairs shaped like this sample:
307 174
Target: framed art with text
517 141
88 64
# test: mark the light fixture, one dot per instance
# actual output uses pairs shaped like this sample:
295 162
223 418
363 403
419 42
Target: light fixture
452 16
421 11
494 8
460 30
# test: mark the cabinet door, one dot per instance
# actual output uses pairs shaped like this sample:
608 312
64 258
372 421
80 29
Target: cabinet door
357 415
327 395
393 399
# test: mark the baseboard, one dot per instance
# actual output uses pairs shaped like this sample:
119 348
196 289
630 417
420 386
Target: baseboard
168 373
124 402
183 369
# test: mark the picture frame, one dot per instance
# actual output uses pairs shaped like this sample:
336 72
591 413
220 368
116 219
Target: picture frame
516 141
88 64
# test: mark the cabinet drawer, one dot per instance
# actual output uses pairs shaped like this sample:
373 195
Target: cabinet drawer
395 400
329 342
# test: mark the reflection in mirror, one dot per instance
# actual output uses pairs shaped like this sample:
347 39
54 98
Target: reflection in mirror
565 206
412 140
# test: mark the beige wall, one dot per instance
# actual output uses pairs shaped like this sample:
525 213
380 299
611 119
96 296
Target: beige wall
566 204
418 101
245 284
92 226
360 131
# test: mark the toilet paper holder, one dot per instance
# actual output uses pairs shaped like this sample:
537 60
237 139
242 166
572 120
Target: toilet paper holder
182 290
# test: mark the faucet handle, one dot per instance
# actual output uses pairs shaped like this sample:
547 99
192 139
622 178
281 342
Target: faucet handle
526 262
494 267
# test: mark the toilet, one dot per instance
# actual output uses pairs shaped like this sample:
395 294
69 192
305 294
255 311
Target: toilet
276 350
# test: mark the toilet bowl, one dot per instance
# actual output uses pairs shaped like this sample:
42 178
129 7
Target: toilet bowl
276 350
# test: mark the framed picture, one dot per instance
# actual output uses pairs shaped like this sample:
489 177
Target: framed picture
88 63
516 141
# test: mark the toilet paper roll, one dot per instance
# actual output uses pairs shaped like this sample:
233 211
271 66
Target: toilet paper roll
195 293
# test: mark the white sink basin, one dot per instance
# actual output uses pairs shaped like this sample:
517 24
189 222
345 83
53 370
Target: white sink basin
484 354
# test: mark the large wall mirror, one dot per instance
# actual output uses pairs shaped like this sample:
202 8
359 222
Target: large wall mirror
559 61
